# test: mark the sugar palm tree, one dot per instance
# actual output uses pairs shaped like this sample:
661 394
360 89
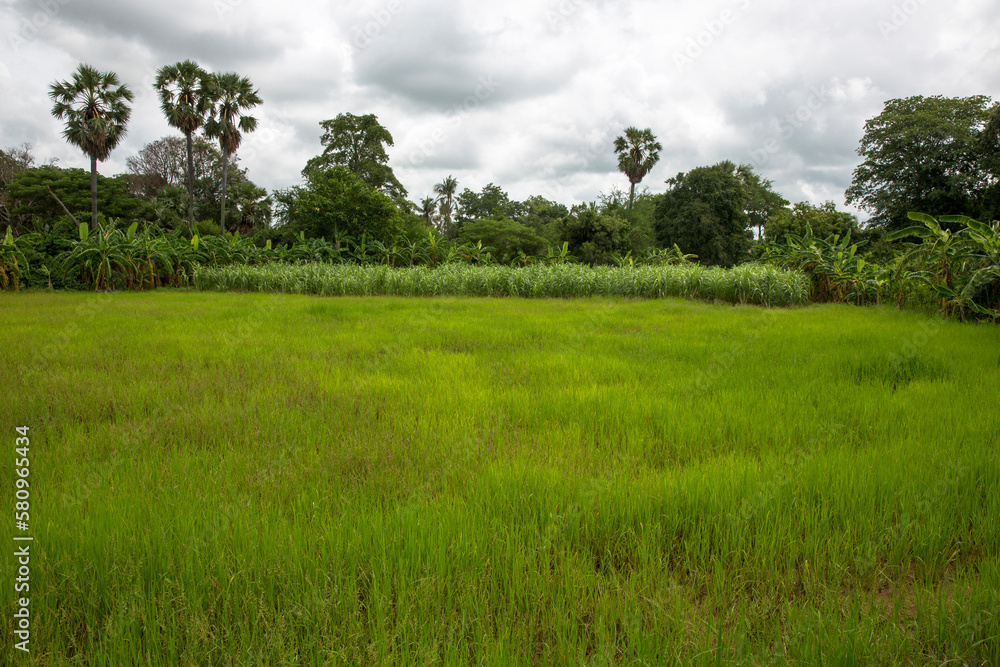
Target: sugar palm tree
183 99
229 96
94 105
446 196
638 151
427 208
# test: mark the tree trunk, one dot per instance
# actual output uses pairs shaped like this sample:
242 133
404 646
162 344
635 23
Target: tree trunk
93 192
225 178
71 216
631 195
190 180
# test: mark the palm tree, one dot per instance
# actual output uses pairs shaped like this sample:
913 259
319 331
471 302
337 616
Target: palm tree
446 196
182 88
229 96
638 151
427 208
94 105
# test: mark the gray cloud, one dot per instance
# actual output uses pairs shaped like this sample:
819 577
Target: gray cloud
527 95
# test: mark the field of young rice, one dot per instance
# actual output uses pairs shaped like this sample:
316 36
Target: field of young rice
275 479
745 284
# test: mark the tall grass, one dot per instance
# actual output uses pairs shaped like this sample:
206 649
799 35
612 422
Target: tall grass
745 284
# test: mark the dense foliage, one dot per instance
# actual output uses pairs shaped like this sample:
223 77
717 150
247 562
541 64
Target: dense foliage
335 202
824 221
930 154
961 269
709 211
935 154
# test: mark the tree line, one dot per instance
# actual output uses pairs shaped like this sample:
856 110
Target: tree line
935 155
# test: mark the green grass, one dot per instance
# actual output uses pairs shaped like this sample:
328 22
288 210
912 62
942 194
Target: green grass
258 479
745 284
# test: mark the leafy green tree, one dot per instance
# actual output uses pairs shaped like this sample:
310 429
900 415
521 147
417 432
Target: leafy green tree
229 97
445 190
762 201
639 214
706 212
358 143
336 202
184 100
638 152
824 220
545 217
492 202
95 107
251 207
989 206
922 154
505 236
36 193
595 237
13 161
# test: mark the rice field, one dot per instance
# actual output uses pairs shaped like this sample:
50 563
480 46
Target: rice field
744 284
279 479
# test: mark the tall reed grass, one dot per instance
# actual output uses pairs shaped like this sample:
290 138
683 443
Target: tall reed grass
746 284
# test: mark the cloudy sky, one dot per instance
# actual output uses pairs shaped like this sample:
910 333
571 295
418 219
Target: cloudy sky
527 94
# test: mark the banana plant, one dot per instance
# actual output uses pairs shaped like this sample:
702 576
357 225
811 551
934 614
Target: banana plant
837 273
413 252
560 257
984 277
438 248
341 241
477 254
622 262
942 260
670 256
13 263
521 260
98 258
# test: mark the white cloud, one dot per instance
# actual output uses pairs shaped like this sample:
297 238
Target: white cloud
730 79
